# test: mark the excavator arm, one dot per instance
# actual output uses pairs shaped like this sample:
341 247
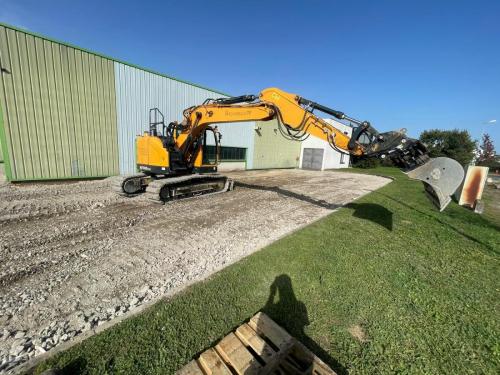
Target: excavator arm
297 122
295 114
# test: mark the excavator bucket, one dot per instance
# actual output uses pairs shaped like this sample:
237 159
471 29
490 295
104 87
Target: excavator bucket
441 177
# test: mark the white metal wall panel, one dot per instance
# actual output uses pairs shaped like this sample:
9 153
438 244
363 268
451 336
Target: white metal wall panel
137 91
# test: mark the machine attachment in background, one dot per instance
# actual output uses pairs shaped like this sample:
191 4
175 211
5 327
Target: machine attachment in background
441 178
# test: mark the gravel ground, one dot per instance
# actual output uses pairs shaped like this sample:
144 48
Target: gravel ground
74 255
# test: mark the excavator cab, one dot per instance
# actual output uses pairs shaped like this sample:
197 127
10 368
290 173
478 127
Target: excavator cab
158 152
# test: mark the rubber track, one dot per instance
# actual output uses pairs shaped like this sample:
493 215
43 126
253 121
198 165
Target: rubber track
154 188
118 181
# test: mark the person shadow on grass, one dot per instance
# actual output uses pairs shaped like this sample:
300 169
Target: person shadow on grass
291 314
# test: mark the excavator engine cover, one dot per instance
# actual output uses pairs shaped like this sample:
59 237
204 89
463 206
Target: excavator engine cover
441 178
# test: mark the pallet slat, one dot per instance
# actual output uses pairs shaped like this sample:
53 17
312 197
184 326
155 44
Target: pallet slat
211 363
304 355
191 368
264 325
250 338
232 350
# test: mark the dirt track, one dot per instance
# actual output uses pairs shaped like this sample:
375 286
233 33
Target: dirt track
74 255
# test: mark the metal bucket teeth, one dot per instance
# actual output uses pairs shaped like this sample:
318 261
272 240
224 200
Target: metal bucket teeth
441 177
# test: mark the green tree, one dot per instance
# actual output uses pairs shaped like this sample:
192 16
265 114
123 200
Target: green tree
455 144
486 151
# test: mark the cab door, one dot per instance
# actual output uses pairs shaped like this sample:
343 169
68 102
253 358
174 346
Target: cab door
209 155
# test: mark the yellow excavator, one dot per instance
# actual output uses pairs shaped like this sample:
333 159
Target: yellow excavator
174 161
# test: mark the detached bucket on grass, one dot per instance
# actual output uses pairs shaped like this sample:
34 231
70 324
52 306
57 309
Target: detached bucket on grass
441 178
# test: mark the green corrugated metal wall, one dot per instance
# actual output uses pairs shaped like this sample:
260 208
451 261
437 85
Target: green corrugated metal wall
272 150
59 107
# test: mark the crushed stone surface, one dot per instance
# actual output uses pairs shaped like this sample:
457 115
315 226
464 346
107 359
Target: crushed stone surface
75 255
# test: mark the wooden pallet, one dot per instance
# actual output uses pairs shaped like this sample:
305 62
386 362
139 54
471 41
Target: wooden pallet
258 347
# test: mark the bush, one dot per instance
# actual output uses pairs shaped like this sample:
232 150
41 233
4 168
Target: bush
365 163
492 164
387 162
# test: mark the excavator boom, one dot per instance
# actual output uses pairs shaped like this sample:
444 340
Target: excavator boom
174 165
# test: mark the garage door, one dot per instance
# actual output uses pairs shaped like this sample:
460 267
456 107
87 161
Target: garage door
312 158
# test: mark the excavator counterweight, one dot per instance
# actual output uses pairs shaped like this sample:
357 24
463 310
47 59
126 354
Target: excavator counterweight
174 159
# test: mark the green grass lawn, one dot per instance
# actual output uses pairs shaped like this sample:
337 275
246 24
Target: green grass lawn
491 199
385 285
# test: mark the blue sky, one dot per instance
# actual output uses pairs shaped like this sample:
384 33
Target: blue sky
414 64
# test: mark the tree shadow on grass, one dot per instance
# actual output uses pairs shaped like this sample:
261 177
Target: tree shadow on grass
291 314
444 223
372 212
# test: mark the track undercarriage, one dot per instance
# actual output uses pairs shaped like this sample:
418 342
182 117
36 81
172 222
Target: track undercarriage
161 189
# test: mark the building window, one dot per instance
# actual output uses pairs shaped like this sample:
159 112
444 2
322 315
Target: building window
342 158
226 153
